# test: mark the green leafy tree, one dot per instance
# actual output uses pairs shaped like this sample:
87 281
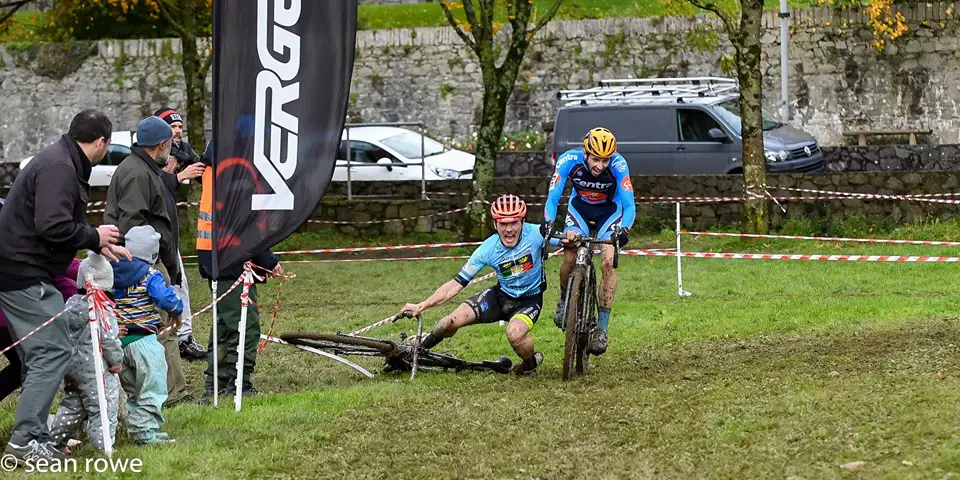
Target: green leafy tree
500 60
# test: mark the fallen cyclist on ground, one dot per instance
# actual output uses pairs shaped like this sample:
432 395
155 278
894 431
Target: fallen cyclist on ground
515 253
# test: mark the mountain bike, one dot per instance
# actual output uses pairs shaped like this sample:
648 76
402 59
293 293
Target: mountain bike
581 307
402 356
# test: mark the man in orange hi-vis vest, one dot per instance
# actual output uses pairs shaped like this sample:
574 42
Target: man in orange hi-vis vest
228 309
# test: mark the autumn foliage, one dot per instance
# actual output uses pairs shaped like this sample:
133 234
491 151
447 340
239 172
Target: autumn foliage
887 24
97 19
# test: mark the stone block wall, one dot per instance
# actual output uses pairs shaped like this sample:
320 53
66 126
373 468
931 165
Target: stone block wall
838 81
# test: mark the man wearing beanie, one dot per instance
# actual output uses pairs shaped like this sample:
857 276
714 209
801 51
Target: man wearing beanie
184 164
138 196
181 151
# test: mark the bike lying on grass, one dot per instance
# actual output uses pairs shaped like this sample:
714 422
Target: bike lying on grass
403 356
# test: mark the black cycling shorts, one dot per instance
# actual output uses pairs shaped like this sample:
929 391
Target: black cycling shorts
492 305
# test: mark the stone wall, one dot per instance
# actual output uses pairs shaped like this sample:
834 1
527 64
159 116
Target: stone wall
838 80
420 215
655 217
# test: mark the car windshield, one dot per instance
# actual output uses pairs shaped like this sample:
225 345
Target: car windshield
730 111
408 145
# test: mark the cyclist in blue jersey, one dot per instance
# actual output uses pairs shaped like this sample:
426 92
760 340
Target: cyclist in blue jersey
515 253
601 205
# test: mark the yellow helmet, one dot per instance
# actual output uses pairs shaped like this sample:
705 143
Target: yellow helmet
600 142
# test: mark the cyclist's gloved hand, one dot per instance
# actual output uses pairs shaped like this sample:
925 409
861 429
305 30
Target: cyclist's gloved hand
545 229
623 237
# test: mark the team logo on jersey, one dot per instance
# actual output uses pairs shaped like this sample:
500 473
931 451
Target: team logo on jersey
593 197
579 173
569 221
626 184
620 166
554 180
516 267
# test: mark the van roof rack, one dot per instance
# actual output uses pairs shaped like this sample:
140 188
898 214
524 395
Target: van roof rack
652 89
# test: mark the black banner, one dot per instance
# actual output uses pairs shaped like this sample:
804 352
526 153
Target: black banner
282 72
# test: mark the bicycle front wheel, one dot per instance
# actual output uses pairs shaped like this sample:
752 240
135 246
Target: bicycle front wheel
572 346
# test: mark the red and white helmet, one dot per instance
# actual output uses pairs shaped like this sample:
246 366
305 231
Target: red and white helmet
508 209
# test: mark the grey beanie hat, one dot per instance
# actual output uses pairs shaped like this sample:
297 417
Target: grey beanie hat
143 242
96 268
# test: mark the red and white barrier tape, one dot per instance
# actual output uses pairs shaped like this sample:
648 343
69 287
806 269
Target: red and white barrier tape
780 256
388 220
372 249
102 203
35 330
827 239
872 196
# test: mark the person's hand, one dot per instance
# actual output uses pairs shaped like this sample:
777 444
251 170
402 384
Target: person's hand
546 228
171 166
122 333
414 309
175 322
114 252
623 237
571 237
109 235
115 369
277 271
192 171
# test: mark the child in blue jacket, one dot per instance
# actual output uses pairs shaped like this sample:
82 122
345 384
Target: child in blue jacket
140 293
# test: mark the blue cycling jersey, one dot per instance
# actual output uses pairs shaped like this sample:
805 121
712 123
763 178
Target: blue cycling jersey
519 269
611 186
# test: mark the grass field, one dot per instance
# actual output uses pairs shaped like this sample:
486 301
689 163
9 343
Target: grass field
26 26
771 369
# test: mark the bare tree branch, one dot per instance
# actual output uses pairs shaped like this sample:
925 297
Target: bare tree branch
453 23
732 30
165 10
546 18
14 6
476 27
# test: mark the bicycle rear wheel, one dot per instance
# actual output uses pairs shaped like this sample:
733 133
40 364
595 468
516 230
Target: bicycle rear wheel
573 346
341 344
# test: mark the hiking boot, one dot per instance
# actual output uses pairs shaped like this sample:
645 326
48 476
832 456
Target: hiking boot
32 452
520 370
191 351
598 345
558 316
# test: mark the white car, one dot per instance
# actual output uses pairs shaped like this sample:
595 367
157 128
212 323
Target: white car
118 149
391 153
379 154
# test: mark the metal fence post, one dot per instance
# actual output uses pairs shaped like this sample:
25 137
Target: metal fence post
423 163
349 187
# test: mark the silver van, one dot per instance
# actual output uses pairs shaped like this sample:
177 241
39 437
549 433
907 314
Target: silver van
681 126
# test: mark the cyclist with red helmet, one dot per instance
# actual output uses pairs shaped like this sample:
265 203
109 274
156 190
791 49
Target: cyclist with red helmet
602 202
515 254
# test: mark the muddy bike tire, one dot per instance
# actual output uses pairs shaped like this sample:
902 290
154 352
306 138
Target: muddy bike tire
571 344
341 344
587 315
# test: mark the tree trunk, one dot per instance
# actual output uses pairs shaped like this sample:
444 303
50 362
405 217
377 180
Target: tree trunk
751 88
498 87
194 76
476 224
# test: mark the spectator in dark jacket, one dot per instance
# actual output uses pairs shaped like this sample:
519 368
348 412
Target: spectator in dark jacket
43 225
138 195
